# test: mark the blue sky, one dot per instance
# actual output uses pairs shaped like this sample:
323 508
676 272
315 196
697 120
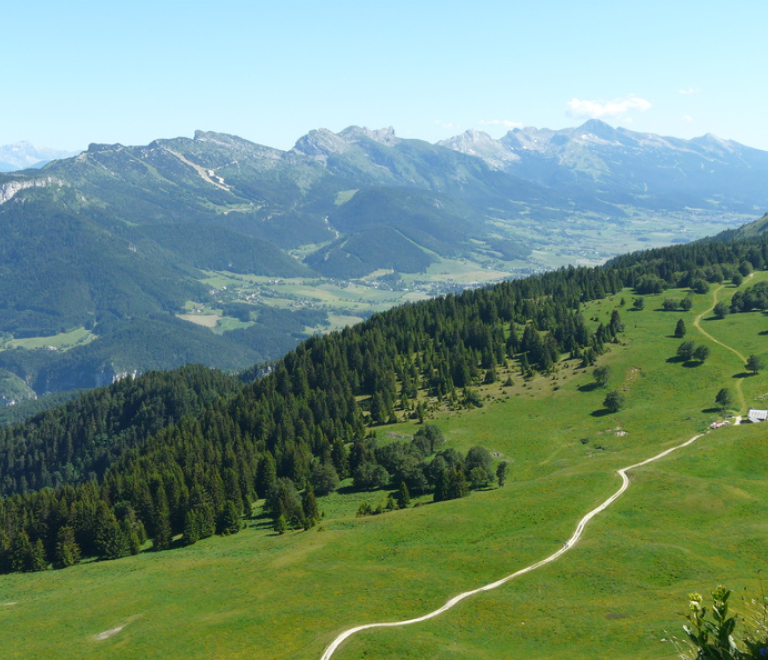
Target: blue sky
131 71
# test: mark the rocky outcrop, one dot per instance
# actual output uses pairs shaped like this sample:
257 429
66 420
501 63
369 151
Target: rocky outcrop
11 188
482 145
321 143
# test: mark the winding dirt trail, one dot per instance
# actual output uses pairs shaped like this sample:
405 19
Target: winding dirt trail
493 585
697 324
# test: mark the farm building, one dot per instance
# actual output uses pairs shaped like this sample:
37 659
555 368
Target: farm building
756 416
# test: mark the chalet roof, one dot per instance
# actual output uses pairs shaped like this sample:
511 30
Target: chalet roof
757 415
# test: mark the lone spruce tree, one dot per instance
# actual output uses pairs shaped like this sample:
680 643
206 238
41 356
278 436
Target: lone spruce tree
721 310
501 473
309 507
403 496
685 350
457 483
229 519
191 527
602 375
724 399
614 401
67 550
754 364
701 353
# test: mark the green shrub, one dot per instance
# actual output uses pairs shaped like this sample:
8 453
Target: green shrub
713 639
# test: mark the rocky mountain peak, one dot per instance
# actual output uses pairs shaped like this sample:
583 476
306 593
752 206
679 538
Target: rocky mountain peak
712 142
383 135
223 139
96 147
321 143
482 145
528 138
470 136
599 129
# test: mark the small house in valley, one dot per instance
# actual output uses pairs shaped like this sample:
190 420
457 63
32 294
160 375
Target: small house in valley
756 416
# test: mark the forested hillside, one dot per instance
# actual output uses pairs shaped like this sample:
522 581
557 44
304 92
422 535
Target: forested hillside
193 467
77 442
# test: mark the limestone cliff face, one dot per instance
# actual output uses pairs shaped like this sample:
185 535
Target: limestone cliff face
11 188
482 145
320 144
383 135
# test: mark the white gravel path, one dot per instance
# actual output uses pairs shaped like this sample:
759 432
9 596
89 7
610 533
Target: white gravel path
567 546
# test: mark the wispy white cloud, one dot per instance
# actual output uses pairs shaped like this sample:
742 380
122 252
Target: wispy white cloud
618 108
447 125
506 123
689 90
687 118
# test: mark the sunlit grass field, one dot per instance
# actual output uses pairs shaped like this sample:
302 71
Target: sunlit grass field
61 341
693 520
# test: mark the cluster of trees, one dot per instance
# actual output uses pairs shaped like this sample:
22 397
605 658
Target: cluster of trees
289 508
693 265
755 297
689 350
197 472
673 304
448 475
615 399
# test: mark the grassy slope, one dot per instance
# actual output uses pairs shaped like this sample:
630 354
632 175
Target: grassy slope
693 520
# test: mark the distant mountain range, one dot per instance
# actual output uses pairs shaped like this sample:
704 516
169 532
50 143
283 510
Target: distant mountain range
117 240
622 167
23 155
